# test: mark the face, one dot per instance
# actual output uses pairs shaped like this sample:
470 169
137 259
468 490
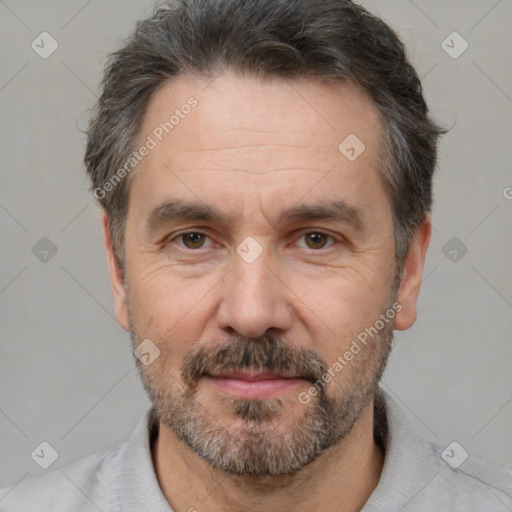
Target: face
259 255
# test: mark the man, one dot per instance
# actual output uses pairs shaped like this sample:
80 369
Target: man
265 173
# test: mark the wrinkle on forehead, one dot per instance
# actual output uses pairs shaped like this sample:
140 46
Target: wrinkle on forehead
272 139
232 109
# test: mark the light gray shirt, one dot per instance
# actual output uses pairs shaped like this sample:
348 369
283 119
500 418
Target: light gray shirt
417 476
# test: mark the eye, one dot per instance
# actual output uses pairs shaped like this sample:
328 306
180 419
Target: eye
193 240
317 240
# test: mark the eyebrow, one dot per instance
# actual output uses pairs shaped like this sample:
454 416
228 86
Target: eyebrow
177 210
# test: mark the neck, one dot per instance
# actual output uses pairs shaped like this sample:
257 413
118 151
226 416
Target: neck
346 474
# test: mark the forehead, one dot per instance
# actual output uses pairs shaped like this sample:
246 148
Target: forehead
231 107
244 135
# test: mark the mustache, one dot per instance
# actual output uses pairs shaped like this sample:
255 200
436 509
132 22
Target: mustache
265 353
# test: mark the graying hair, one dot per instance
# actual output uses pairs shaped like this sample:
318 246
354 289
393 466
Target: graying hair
329 40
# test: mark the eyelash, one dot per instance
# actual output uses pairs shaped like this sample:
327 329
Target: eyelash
179 236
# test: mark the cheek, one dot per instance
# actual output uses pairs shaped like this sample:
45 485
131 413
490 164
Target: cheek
336 309
343 320
161 292
171 312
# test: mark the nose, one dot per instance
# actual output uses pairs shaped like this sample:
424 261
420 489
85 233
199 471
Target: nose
254 300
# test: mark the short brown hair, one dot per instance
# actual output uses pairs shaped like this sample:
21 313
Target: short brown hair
334 40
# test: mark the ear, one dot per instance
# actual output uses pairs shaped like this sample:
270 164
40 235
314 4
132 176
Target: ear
117 284
411 275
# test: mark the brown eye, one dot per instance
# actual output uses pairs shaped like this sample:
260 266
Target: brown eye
317 240
193 240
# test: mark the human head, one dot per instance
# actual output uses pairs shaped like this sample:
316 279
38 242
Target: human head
334 40
205 317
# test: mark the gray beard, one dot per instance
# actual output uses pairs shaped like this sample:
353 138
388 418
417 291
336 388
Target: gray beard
254 445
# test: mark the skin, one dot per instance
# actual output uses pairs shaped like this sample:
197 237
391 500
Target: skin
245 143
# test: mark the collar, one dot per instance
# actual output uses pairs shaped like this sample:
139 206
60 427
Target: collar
409 463
138 486
405 462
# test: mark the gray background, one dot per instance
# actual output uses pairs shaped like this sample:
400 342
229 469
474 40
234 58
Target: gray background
67 374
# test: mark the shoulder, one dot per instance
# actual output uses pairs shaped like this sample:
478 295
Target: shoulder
89 483
465 482
420 475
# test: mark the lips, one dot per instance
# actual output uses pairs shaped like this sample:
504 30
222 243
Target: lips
253 386
251 377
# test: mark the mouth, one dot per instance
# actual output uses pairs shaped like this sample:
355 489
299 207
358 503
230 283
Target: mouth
253 385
